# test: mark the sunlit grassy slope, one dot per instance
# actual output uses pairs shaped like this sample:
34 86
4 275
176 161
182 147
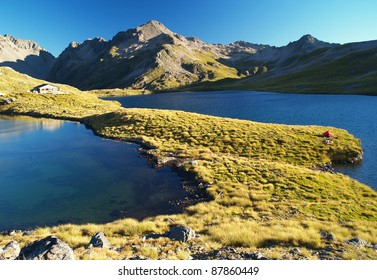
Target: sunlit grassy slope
72 103
261 179
349 74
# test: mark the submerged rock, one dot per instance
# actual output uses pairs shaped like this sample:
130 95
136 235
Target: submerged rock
10 251
99 240
49 248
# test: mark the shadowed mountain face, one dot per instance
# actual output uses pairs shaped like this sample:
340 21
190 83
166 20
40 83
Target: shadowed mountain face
25 56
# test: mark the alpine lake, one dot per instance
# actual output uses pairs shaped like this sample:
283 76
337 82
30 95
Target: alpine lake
56 172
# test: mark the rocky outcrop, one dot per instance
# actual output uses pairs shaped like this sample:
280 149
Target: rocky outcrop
49 248
10 251
99 240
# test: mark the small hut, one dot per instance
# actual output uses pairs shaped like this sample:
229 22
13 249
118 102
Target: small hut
46 88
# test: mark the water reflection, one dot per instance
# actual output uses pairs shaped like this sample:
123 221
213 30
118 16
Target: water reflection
16 127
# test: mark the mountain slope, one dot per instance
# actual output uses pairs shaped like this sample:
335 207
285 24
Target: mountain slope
349 68
150 56
25 56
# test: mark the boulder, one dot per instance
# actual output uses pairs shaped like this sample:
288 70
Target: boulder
327 236
180 233
10 251
295 251
28 233
358 242
7 101
49 248
99 240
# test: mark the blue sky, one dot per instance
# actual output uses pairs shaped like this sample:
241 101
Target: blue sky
54 24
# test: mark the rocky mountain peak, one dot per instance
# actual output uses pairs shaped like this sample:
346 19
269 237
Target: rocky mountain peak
305 44
309 39
151 30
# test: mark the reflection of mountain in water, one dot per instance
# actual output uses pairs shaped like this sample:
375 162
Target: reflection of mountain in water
16 126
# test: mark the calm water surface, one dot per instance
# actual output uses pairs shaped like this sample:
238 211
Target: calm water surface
357 114
54 172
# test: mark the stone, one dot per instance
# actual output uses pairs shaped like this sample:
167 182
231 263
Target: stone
10 251
257 256
358 242
48 248
99 240
180 233
7 101
194 162
327 236
295 251
28 232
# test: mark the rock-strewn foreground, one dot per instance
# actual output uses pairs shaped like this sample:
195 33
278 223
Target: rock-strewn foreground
267 192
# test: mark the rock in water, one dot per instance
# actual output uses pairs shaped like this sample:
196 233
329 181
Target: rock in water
10 251
49 248
99 240
180 233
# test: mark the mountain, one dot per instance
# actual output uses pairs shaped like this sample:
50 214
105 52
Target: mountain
325 68
150 57
25 56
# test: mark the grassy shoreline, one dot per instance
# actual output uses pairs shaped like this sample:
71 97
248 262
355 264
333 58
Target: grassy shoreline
266 193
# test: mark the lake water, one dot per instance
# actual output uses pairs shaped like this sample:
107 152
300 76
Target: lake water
54 172
357 114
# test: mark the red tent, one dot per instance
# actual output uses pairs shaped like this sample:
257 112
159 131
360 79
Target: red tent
328 134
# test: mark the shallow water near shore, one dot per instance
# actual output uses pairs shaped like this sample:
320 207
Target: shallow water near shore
56 172
355 113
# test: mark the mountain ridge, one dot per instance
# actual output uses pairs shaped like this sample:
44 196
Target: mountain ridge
152 57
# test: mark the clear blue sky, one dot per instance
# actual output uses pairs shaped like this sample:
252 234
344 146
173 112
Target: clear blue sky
54 24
